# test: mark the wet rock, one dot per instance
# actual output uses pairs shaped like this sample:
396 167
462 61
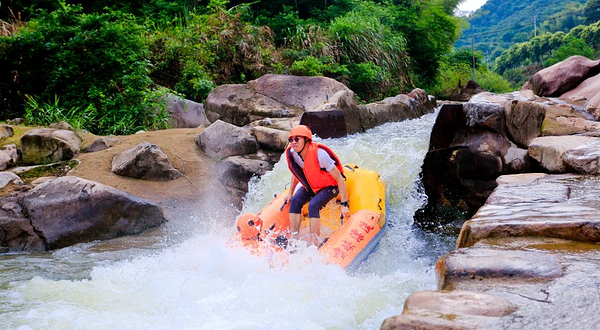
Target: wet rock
563 76
269 138
235 172
16 232
468 264
485 115
6 131
221 140
145 161
185 113
549 151
397 108
585 158
421 322
536 206
517 160
101 143
70 210
48 145
459 302
588 90
524 121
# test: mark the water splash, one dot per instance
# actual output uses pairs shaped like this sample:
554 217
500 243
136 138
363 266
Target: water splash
200 282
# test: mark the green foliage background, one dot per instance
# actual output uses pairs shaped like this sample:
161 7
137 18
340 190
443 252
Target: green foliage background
105 66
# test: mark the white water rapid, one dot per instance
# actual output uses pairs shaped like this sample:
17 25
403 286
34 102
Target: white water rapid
184 276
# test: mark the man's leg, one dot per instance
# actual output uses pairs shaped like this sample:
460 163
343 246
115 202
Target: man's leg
314 207
300 198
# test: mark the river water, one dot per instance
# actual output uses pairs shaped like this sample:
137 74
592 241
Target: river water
185 275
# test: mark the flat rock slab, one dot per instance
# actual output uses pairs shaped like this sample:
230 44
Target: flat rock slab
549 151
478 263
459 302
558 206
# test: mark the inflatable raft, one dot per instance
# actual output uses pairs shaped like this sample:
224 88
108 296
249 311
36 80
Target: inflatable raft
347 242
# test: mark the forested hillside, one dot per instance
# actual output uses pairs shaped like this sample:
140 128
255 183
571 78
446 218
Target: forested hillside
501 23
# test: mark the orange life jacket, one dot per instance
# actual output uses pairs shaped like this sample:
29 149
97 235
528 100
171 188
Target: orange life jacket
313 177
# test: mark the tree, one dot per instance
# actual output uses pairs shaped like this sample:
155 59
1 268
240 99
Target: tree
592 11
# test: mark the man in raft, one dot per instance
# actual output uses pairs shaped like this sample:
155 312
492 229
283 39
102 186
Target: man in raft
319 171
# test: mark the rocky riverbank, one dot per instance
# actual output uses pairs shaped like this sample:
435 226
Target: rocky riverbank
527 258
198 164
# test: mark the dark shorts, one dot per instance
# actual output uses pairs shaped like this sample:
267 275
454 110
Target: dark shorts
317 201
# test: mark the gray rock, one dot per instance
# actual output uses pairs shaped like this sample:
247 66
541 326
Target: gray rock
221 140
62 125
485 115
7 177
565 120
524 121
16 232
12 152
70 210
101 144
145 161
185 113
4 160
235 172
585 158
6 131
549 151
270 138
48 145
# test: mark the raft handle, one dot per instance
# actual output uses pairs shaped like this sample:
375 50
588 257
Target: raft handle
379 205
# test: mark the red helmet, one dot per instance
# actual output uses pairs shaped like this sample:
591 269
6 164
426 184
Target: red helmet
301 130
248 225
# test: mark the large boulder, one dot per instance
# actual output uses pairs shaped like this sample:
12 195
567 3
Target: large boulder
550 151
588 89
70 210
235 172
7 178
563 76
48 145
16 232
185 113
145 161
397 108
278 96
221 140
524 121
270 138
6 131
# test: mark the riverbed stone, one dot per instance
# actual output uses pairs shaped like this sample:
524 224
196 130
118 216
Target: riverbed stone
550 151
7 178
185 113
562 119
49 145
222 139
70 210
485 115
270 138
484 263
524 121
584 159
588 90
6 131
535 205
101 143
459 302
16 232
145 161
421 322
236 171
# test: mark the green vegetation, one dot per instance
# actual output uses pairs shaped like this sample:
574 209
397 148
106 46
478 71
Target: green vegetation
106 66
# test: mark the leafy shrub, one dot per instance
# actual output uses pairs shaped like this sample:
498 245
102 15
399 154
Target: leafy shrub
52 112
94 61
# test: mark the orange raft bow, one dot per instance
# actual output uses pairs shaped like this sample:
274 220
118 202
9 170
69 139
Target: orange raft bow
347 242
